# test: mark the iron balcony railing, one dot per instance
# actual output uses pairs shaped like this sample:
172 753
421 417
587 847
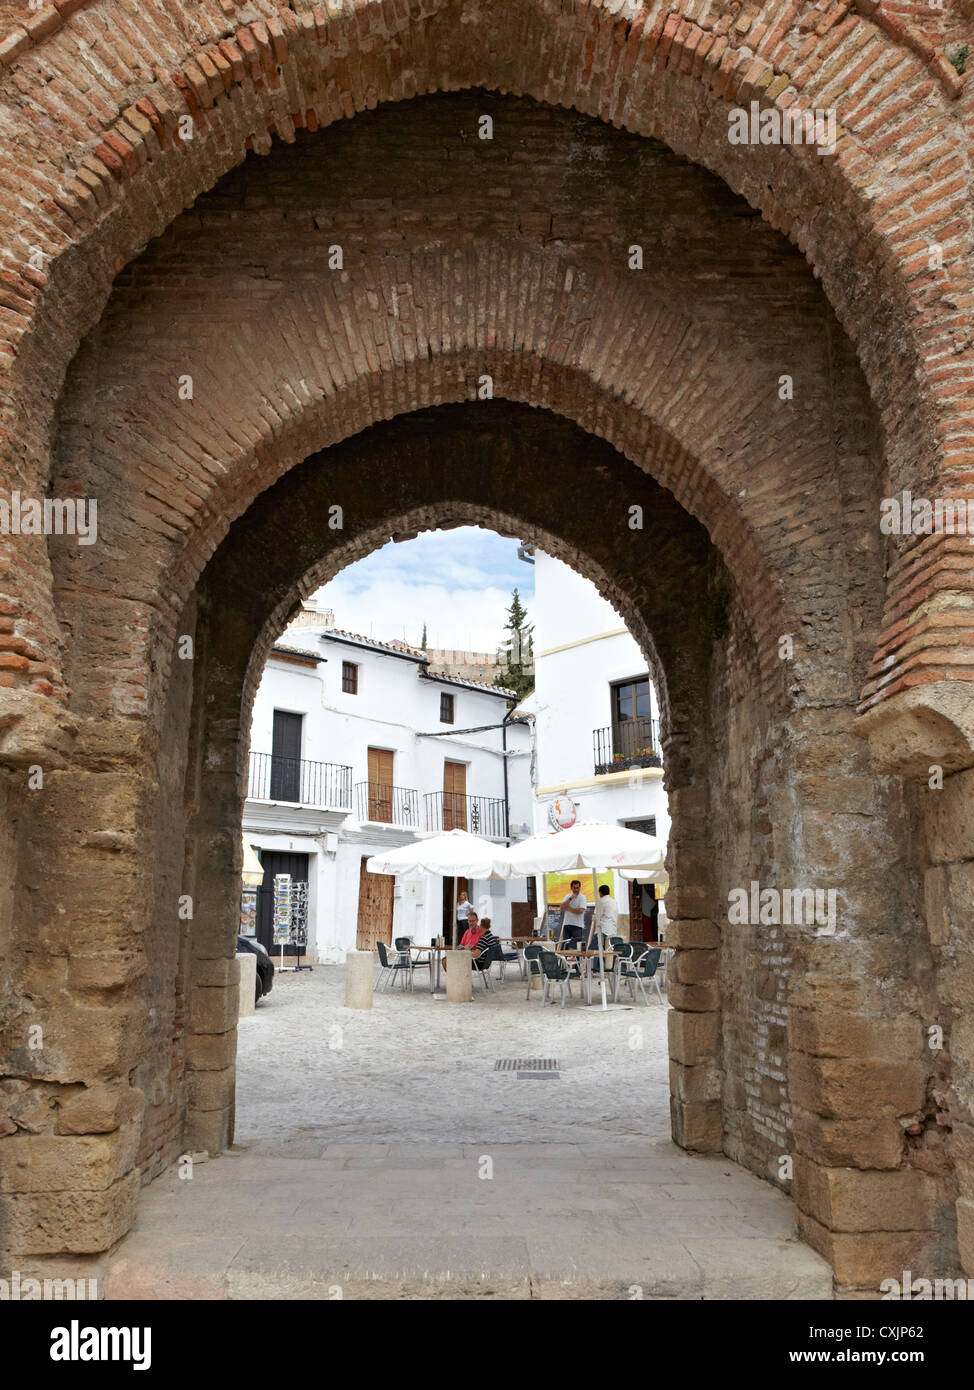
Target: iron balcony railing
481 815
376 801
296 779
631 743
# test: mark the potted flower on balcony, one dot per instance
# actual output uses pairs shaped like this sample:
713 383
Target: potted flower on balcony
646 757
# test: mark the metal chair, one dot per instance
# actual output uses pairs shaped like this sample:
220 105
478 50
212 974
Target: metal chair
532 959
507 958
555 971
389 967
623 961
639 966
403 944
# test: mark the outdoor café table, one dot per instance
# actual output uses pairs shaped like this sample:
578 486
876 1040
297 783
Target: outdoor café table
586 958
435 953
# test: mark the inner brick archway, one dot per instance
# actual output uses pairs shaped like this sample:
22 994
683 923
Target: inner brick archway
664 394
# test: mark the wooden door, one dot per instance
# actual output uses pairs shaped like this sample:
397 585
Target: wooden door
381 778
454 796
375 905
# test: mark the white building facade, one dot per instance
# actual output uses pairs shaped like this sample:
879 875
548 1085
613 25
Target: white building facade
356 747
596 716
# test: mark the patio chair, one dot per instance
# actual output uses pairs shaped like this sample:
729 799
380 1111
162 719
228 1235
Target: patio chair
507 958
556 971
389 967
403 944
532 959
640 966
484 974
623 962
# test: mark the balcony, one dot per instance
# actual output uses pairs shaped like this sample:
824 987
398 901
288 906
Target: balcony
633 743
299 781
481 815
375 801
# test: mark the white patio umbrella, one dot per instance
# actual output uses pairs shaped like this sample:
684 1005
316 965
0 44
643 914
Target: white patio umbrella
594 846
453 854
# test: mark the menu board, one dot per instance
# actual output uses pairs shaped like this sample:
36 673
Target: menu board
248 912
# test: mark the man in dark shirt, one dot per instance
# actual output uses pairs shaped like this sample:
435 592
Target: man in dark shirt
487 948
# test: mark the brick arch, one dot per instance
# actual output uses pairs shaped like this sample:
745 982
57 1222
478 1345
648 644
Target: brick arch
861 218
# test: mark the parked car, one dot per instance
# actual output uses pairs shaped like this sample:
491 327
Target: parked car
265 966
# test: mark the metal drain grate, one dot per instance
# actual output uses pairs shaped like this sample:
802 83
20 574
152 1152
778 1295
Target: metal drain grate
519 1064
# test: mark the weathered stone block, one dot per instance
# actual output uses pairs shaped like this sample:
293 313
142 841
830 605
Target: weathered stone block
99 1109
864 1259
855 795
213 1010
91 1044
690 899
693 967
695 1084
949 903
876 1142
849 1088
699 935
76 1222
208 1131
108 970
213 971
695 998
65 1163
965 1234
210 1090
211 1051
960 1146
851 1199
830 1034
692 1036
950 819
697 1125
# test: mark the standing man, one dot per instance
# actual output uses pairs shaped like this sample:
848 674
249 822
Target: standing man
573 906
606 919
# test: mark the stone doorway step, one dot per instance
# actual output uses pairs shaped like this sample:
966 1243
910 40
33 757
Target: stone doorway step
625 1219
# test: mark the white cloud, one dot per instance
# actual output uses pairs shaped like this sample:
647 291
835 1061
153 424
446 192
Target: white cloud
457 582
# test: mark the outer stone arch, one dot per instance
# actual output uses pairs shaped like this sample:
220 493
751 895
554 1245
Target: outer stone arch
640 69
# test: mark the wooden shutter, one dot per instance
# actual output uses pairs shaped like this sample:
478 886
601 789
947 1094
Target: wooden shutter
454 796
381 777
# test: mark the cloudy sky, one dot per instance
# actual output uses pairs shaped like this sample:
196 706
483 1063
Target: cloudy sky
458 582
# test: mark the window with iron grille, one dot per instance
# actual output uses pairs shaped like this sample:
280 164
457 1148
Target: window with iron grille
446 709
349 678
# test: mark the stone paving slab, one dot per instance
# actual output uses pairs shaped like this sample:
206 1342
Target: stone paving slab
255 1226
358 1174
